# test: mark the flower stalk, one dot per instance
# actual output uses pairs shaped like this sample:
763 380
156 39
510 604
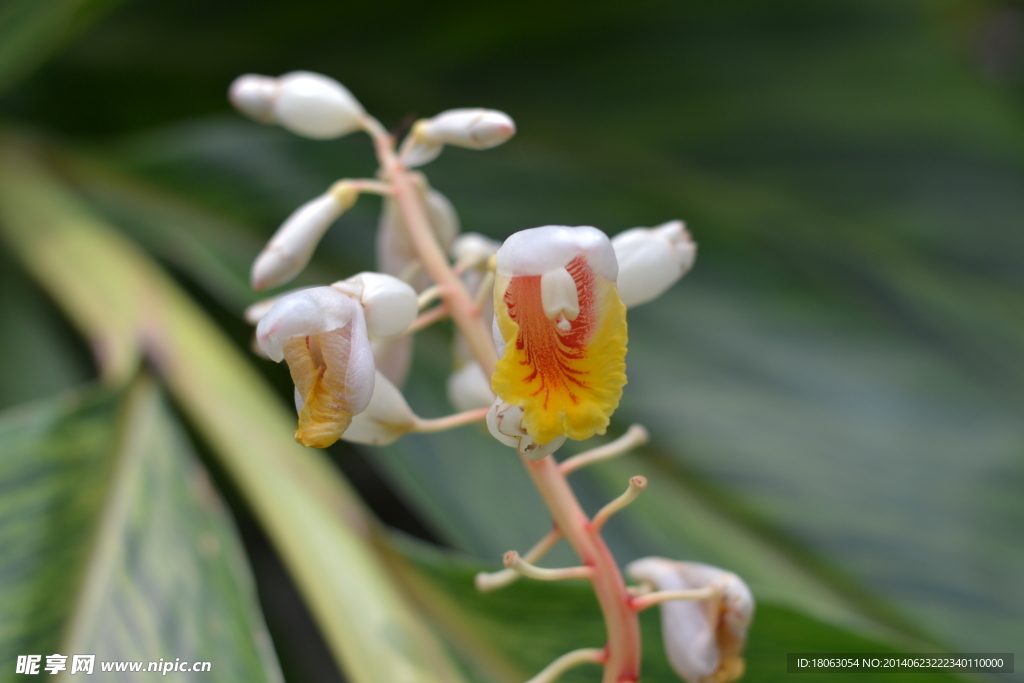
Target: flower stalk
553 361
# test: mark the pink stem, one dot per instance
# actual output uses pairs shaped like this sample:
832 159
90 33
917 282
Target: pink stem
623 663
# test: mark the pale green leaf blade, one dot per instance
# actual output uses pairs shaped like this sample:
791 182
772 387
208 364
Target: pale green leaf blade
115 543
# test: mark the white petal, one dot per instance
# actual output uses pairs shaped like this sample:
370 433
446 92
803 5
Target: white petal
469 388
505 423
443 218
254 96
558 294
421 153
390 304
291 247
361 373
539 250
393 357
254 313
651 260
473 128
315 106
386 418
496 336
309 311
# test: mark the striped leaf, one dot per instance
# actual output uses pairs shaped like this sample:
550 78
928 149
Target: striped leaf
114 543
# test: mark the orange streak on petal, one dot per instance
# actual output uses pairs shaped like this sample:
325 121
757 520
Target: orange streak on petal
567 382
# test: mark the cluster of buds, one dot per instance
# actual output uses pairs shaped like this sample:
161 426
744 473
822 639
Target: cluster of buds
539 355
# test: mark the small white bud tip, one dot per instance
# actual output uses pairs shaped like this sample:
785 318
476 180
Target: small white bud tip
316 106
254 96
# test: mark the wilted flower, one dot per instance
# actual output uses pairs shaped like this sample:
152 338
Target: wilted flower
651 260
563 329
322 333
704 639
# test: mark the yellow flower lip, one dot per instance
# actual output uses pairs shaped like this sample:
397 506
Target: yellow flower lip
321 333
564 330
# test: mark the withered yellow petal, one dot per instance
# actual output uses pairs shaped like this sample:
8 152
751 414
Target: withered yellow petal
327 409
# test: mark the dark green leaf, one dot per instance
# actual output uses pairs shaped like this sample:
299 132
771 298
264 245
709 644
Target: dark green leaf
30 30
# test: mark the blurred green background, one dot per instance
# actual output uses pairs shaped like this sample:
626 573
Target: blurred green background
835 393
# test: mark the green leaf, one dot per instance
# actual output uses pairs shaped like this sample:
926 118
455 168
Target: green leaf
114 542
513 633
37 357
115 292
30 30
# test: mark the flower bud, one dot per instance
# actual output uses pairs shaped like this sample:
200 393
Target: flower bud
469 388
316 106
291 247
386 418
254 96
473 248
505 423
389 304
472 128
651 260
321 333
704 639
395 251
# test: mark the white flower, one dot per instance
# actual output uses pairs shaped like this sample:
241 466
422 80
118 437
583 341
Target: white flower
321 333
306 103
651 260
560 330
291 247
704 639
